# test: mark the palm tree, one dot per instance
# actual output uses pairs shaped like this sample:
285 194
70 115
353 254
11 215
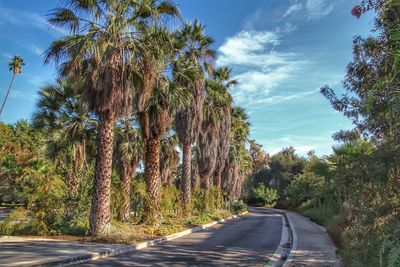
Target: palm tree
195 176
169 159
15 64
223 76
100 50
217 98
239 163
166 98
195 50
155 52
67 121
128 152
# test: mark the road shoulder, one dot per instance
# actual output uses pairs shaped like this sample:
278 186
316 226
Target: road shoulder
312 245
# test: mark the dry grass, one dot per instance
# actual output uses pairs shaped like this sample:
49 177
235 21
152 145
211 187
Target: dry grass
132 232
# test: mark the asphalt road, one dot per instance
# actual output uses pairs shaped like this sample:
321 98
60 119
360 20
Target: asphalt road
246 241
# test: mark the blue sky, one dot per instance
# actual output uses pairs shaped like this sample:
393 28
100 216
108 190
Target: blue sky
281 52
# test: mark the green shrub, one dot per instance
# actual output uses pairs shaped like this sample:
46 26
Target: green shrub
204 201
170 200
304 187
265 196
389 254
17 222
45 192
238 206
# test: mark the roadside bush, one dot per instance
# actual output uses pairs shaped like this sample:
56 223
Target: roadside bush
389 254
265 196
77 208
17 222
238 206
170 201
45 192
138 196
204 201
304 187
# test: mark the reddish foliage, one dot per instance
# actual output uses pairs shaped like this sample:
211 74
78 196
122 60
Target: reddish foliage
367 5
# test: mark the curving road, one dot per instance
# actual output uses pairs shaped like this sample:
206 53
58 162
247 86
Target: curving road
246 241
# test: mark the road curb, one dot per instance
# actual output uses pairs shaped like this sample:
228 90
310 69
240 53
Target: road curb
283 255
282 252
129 248
294 242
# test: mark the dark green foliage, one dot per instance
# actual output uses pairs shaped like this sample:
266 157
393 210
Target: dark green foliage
265 196
237 206
19 144
282 168
44 192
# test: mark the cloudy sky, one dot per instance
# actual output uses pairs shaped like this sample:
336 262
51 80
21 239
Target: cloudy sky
281 52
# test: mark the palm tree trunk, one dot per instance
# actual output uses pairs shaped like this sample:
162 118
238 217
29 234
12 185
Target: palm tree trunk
100 213
153 181
8 92
218 181
195 177
206 185
126 177
186 177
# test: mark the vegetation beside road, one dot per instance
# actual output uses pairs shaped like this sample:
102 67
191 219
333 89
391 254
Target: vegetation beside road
139 137
354 192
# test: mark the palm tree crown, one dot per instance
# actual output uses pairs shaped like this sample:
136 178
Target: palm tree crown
16 64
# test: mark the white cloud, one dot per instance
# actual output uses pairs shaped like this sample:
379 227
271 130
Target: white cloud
35 80
294 8
35 49
301 144
258 67
25 19
247 48
22 95
311 9
277 99
318 8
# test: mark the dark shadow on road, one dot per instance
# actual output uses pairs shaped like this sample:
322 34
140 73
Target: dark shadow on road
247 241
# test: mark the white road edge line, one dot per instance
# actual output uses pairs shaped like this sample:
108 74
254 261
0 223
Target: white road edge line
275 260
293 249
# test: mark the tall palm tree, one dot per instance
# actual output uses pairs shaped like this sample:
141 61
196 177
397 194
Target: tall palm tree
15 65
223 76
67 121
100 49
217 97
128 152
155 121
195 50
239 163
155 52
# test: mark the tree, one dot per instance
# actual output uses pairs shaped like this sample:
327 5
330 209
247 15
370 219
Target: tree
258 155
155 121
238 164
372 80
194 47
15 65
100 50
65 118
265 196
128 152
217 123
169 159
207 143
163 98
